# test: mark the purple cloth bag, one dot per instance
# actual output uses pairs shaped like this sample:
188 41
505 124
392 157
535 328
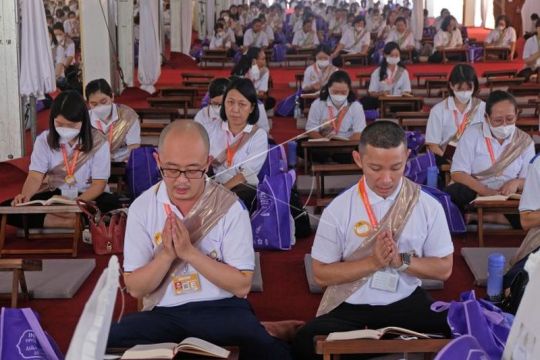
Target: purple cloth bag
454 218
416 168
286 106
21 337
463 347
275 163
480 319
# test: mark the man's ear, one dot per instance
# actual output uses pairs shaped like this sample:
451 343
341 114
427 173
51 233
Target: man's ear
357 158
156 157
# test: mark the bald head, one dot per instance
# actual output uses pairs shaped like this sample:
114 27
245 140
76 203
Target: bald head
184 129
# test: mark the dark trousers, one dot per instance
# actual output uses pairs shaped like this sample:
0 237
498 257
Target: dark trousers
222 322
412 312
246 193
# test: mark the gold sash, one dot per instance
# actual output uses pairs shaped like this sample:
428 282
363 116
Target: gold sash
449 42
55 177
220 159
402 38
359 38
469 117
126 118
395 220
520 141
213 204
500 40
529 244
308 40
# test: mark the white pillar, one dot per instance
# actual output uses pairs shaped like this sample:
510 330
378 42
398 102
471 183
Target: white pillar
468 16
176 25
11 127
417 21
125 39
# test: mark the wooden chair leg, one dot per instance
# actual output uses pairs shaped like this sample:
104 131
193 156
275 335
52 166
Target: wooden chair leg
24 288
76 234
480 220
15 287
2 232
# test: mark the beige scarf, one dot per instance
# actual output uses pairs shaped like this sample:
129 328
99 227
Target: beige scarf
213 204
469 117
395 220
126 118
500 40
529 244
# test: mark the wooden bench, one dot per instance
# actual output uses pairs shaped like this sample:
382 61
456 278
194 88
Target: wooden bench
415 103
499 73
364 79
306 59
445 169
526 89
362 59
18 267
529 125
333 349
175 102
322 170
430 75
454 51
298 80
155 113
219 56
498 207
400 115
190 76
503 81
410 124
432 84
494 53
198 83
192 92
52 209
325 146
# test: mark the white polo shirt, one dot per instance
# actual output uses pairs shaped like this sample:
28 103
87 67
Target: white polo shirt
249 158
44 159
472 156
208 118
395 36
261 84
133 136
218 42
509 36
269 32
258 40
531 47
300 38
396 87
442 38
354 120
313 74
352 43
230 242
530 201
444 120
426 233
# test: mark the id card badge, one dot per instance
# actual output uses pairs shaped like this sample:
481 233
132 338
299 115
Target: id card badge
70 193
186 284
385 280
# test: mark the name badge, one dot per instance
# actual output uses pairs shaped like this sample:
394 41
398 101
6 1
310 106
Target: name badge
70 193
386 280
186 284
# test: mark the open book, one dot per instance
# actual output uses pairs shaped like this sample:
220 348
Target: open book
331 137
189 345
378 334
55 200
497 198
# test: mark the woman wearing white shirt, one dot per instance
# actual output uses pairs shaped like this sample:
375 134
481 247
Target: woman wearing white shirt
119 123
220 40
403 37
354 41
531 54
492 157
65 51
504 35
448 37
449 119
239 147
70 160
391 78
317 75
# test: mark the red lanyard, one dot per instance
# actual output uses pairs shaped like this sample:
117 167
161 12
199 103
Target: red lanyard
70 168
111 129
167 209
490 150
391 76
461 127
231 151
367 205
336 123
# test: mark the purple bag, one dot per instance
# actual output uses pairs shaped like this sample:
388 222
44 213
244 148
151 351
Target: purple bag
21 337
480 319
454 218
279 53
416 168
463 347
415 141
286 106
275 163
205 100
271 221
141 170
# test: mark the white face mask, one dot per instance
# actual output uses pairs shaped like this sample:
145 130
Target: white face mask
501 27
220 34
67 134
323 63
503 132
338 99
102 112
59 38
254 72
392 60
359 28
463 96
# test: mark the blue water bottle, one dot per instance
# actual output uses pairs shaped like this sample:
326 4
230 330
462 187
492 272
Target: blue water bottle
496 262
291 154
432 176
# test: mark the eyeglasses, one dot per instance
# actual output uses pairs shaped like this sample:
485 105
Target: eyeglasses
509 120
175 173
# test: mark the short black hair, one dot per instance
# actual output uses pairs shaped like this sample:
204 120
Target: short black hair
58 26
98 85
463 73
359 19
534 16
70 104
246 61
496 97
246 88
505 18
446 22
339 76
306 21
382 134
322 48
402 19
218 87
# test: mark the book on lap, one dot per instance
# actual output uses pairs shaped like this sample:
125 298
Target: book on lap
377 334
189 345
55 200
497 198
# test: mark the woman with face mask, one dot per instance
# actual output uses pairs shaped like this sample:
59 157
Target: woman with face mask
504 35
118 123
317 75
448 37
391 78
71 160
492 157
220 40
355 40
65 51
448 119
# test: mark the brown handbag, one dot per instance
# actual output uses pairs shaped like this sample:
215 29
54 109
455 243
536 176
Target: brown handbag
107 230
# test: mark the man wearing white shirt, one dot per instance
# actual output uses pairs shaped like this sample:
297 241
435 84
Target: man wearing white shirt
401 35
255 37
531 54
370 261
306 38
529 205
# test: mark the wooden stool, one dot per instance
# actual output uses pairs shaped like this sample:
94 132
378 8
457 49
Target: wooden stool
322 170
52 209
501 207
333 349
18 267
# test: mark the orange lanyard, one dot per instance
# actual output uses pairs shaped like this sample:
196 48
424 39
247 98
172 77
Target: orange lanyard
167 209
231 151
111 129
391 76
336 123
490 150
70 168
460 127
367 205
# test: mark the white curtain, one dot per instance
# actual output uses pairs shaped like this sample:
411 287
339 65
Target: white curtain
417 20
208 18
483 12
37 67
176 31
186 22
149 45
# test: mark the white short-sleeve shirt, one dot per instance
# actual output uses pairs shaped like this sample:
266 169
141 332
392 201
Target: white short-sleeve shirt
442 38
44 159
133 136
531 47
322 111
269 32
301 39
444 120
259 40
509 36
209 118
261 84
472 156
313 74
353 42
66 50
217 42
230 242
406 41
396 87
249 159
530 201
426 233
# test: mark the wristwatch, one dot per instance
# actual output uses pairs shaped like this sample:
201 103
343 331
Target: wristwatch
405 261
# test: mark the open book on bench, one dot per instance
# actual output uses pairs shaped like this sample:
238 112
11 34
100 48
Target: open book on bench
190 345
497 198
390 331
330 137
55 200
